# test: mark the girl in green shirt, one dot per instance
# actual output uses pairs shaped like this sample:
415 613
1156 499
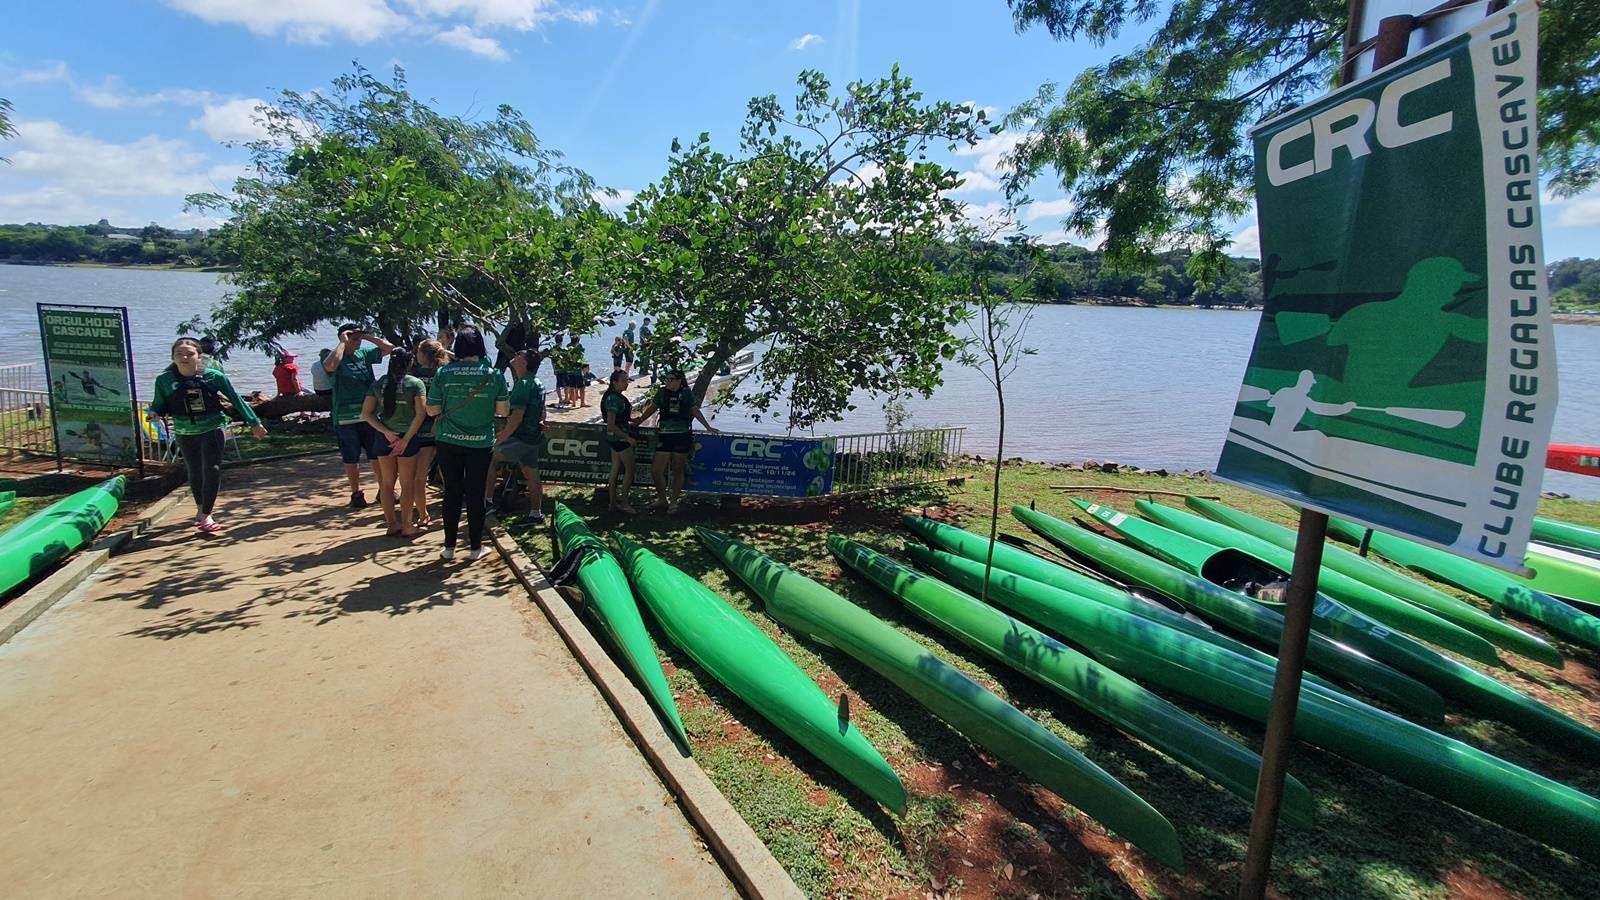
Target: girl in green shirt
188 394
466 395
396 408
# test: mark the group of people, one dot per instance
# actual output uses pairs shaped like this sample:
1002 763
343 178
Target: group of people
440 405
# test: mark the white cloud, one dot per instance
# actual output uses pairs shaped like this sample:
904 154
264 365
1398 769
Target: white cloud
804 41
616 203
1048 209
992 150
56 71
309 21
520 15
1582 211
463 38
976 183
1246 242
109 92
232 120
82 163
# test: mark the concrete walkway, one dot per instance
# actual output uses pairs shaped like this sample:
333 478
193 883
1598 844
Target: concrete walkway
303 707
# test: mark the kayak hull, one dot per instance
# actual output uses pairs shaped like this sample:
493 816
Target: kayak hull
739 655
1336 558
609 599
1566 534
34 545
1091 686
971 709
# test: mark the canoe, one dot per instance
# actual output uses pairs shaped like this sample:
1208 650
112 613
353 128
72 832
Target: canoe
1336 558
1566 534
1574 458
1457 773
1501 589
1358 596
1462 683
737 653
34 545
967 706
1562 573
974 546
609 599
1095 688
1257 623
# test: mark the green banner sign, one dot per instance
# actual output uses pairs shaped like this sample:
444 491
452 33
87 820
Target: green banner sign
1404 371
91 382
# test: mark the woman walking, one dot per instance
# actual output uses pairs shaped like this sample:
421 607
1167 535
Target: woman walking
192 396
617 412
619 351
430 356
466 395
396 407
679 408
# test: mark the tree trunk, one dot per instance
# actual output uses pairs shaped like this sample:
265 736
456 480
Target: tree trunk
994 497
278 407
702 381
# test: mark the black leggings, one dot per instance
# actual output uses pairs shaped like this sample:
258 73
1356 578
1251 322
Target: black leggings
202 453
465 471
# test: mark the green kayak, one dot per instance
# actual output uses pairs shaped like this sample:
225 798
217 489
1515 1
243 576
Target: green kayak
743 658
1095 688
34 545
1359 596
811 609
1563 573
608 598
1501 589
975 547
1457 773
1473 689
1336 558
1566 534
1245 616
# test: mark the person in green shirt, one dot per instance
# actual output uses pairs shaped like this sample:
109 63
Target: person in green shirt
466 395
521 438
396 408
349 367
616 411
679 408
191 396
430 356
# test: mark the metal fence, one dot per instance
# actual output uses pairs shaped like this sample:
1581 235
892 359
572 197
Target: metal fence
25 424
890 459
20 377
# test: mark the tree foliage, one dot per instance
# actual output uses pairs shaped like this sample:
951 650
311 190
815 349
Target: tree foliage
814 241
1152 144
368 205
7 130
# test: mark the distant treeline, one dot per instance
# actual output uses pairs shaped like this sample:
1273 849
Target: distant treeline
105 243
1066 274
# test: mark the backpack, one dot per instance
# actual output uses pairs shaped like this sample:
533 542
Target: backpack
192 396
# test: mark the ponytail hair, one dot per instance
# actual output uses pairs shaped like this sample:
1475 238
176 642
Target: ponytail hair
399 365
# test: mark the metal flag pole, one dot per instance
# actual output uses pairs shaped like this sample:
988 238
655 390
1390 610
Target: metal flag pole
1394 34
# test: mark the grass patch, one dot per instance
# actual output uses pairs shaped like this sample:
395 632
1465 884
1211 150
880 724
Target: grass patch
970 818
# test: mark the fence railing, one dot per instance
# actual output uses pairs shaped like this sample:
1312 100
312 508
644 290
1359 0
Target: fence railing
20 377
889 459
25 423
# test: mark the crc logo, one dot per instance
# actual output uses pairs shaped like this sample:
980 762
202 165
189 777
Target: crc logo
755 447
573 447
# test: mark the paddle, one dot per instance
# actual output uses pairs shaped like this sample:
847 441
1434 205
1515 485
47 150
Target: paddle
1439 418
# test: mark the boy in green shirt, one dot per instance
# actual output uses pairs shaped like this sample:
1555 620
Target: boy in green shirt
349 368
521 438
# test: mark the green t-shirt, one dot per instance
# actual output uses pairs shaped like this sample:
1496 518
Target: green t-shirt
677 410
425 375
176 398
405 402
528 395
468 391
615 405
351 381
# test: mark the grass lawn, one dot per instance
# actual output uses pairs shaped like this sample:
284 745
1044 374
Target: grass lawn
976 828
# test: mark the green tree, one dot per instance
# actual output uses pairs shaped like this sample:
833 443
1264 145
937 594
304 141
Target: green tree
1152 143
7 130
366 204
815 242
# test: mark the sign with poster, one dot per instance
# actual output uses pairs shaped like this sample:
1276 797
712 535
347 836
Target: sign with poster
743 464
90 375
1404 372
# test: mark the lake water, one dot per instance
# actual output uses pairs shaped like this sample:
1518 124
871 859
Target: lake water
1150 387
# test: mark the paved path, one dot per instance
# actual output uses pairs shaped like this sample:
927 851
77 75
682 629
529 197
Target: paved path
307 708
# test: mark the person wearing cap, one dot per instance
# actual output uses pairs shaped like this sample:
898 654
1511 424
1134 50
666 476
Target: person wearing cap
679 408
287 374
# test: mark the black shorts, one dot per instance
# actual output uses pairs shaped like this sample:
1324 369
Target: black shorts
619 446
675 442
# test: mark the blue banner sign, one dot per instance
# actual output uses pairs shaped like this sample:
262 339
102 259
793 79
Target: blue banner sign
750 465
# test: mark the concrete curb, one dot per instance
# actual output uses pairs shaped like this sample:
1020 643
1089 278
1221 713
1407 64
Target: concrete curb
743 856
22 611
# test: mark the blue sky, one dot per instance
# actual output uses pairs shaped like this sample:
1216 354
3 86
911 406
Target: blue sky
122 107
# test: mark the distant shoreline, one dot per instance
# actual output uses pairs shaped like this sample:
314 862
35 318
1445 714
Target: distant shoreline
152 267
